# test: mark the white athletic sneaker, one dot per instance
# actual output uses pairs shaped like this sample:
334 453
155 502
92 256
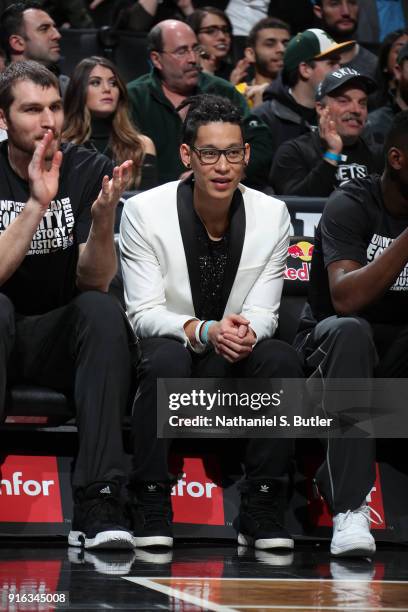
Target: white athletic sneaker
351 533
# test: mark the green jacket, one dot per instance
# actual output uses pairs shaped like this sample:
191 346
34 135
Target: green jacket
156 117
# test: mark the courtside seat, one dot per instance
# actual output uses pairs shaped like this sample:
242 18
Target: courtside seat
42 406
31 405
295 287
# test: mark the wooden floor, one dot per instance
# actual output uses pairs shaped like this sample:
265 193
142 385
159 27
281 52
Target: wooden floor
297 595
203 576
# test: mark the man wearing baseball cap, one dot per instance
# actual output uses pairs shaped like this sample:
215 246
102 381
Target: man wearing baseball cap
380 120
315 164
289 103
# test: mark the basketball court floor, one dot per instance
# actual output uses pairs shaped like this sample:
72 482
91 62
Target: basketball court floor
219 577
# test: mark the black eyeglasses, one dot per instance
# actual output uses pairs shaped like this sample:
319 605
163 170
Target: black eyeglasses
235 155
211 30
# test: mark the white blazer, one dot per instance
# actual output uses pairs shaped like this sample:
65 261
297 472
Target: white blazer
157 284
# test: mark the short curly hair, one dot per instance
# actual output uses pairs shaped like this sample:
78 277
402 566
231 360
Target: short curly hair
208 108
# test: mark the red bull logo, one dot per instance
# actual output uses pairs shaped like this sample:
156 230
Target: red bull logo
302 249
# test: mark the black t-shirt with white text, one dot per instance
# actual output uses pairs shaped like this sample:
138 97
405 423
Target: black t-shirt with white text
46 277
356 226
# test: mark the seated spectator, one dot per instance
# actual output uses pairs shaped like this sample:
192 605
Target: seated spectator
141 16
57 259
355 325
214 30
174 49
96 113
266 46
28 33
289 109
315 164
203 309
380 120
387 60
340 19
379 18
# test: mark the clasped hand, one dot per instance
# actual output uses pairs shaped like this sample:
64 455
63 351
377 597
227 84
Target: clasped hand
232 338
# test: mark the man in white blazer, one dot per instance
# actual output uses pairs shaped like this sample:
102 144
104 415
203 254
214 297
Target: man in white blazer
203 262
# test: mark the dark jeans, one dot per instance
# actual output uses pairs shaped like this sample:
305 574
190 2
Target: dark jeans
349 347
167 358
82 348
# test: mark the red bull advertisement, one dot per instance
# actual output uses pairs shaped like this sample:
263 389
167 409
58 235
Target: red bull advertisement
298 263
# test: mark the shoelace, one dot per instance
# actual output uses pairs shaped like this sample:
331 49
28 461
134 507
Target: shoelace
365 511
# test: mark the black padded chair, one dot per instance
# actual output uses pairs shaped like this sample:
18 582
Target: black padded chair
304 212
33 405
130 55
77 44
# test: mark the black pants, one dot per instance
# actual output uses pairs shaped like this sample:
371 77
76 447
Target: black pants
167 358
81 348
349 347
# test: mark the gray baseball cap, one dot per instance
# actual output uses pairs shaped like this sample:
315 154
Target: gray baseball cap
338 78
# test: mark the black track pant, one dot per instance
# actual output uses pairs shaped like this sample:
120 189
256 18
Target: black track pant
349 347
81 348
167 358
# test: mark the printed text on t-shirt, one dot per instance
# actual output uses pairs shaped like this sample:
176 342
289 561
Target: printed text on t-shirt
54 233
375 248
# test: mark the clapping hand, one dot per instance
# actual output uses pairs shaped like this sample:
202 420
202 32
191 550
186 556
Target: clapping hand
329 133
43 173
112 190
240 71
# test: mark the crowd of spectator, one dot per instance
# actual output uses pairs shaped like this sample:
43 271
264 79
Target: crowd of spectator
245 52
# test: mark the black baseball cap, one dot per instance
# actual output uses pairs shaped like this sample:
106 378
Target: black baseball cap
338 78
